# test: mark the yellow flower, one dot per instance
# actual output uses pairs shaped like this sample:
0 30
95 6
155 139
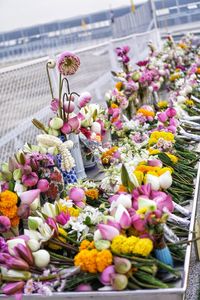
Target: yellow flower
74 212
140 176
189 102
119 85
145 112
117 243
114 105
153 151
173 158
103 260
174 76
129 245
162 104
62 232
143 247
163 170
141 211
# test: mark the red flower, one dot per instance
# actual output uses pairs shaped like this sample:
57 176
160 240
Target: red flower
86 132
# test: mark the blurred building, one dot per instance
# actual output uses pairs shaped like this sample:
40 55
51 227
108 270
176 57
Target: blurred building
176 12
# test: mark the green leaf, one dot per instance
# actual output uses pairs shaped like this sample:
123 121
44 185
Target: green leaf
124 176
87 221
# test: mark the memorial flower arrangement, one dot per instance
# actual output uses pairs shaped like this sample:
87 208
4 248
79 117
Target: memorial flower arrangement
124 228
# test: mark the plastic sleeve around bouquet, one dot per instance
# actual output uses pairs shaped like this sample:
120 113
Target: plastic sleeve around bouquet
76 153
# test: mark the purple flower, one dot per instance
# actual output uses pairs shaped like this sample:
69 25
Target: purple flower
4 224
76 194
13 288
3 245
63 218
30 180
142 63
54 105
68 63
162 117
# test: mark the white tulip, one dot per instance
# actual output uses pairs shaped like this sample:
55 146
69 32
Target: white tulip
154 181
41 258
165 180
34 245
146 203
13 243
35 204
97 235
96 127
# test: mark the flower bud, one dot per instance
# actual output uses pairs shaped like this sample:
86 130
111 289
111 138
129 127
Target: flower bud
34 245
83 287
56 123
51 63
76 194
122 265
96 127
13 287
17 263
102 244
41 258
119 282
53 132
43 185
105 277
69 106
13 243
25 253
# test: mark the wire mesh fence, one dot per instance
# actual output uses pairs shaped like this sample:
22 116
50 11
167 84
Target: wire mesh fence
24 90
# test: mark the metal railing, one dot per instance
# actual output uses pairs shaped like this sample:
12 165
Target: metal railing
24 91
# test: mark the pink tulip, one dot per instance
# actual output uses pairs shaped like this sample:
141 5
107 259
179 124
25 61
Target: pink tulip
118 124
52 223
23 211
80 116
76 194
29 196
108 232
4 224
30 180
13 287
63 218
74 123
54 105
66 129
69 107
173 122
164 202
162 117
171 112
154 163
17 263
171 129
138 223
122 216
43 185
80 204
114 224
105 276
83 287
84 99
25 253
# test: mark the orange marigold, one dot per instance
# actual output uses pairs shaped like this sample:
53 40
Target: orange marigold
119 85
145 112
114 105
103 260
92 193
14 221
86 260
85 244
8 199
10 212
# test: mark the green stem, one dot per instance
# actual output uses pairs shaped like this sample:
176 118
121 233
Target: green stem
60 95
49 79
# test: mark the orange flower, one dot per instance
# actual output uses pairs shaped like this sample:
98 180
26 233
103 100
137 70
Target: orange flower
145 112
118 86
8 199
198 71
10 212
85 244
15 221
114 105
92 193
122 188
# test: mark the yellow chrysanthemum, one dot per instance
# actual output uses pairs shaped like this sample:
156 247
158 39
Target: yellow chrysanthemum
129 245
162 104
145 112
174 76
117 243
74 212
143 247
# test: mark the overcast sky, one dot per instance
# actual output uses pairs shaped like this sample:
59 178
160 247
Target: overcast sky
22 13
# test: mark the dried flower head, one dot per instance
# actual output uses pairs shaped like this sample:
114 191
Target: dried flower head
68 63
